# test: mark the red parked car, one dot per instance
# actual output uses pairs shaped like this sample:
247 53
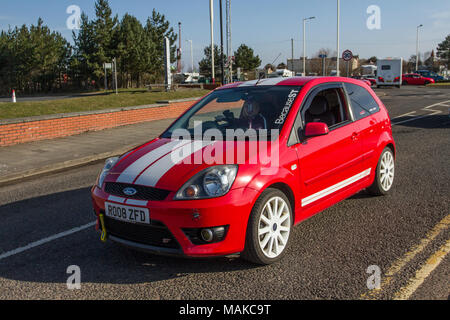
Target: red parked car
373 81
246 163
416 79
365 80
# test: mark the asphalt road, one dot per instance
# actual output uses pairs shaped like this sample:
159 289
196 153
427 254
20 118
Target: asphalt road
401 233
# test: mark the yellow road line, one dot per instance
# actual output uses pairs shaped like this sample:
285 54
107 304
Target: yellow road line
399 264
414 283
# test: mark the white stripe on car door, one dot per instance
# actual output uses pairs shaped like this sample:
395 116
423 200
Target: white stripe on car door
321 194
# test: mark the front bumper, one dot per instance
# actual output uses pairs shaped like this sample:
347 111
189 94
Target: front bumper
231 210
146 247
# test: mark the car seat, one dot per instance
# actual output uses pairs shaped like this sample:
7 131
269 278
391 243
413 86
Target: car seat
319 111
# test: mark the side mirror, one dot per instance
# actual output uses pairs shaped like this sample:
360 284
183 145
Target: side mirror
315 129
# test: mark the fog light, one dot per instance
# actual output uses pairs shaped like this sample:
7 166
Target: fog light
219 233
201 236
207 235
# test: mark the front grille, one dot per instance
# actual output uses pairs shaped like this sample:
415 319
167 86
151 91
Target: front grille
143 193
156 234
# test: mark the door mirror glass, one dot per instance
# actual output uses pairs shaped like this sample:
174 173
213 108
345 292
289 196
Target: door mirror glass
314 129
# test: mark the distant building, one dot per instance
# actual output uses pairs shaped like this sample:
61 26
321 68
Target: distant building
314 66
295 65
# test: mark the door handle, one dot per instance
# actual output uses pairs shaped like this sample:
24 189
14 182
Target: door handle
355 136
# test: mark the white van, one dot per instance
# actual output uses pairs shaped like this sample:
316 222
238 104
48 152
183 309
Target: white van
285 73
389 72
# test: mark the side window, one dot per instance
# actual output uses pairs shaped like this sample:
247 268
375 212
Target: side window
363 104
327 106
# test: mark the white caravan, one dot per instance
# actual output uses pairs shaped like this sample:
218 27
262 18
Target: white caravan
389 72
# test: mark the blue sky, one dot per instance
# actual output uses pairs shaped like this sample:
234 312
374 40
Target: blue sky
267 26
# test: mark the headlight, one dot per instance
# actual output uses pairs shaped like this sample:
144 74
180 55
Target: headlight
109 164
210 183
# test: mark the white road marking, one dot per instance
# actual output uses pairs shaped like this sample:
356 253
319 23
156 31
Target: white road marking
432 263
428 109
45 240
405 115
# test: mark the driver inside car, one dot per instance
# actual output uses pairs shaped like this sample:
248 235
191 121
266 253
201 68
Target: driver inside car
251 117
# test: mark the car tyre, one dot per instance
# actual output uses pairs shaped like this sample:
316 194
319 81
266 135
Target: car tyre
268 232
385 174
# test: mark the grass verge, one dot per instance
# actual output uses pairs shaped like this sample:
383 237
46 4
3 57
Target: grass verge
91 102
439 84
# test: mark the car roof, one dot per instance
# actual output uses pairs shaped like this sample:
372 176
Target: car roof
281 81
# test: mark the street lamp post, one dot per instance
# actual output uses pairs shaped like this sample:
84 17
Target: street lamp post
192 56
338 73
221 44
304 43
417 47
179 49
211 16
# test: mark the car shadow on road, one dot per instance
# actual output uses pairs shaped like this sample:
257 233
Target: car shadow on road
107 263
428 122
363 194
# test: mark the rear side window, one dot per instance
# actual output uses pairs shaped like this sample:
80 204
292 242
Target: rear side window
363 104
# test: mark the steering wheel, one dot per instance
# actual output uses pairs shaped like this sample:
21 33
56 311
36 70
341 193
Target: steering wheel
226 116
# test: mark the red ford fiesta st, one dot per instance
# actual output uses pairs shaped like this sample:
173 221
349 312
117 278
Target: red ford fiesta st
246 163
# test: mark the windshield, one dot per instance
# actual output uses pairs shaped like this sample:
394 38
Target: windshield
249 110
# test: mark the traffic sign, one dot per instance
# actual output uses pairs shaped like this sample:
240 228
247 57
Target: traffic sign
347 55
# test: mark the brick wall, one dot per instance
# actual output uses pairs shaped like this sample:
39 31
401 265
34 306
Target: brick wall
48 127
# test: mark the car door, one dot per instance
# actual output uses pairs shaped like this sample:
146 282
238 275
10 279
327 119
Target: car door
329 163
365 109
407 78
416 79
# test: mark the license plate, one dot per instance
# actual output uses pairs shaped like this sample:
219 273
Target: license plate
127 214
389 81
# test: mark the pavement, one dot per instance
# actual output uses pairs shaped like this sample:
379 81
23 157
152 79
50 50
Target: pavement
49 156
47 226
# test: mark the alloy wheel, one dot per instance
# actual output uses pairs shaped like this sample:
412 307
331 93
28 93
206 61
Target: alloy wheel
387 171
274 227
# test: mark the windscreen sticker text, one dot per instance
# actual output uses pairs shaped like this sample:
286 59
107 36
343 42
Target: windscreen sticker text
290 101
